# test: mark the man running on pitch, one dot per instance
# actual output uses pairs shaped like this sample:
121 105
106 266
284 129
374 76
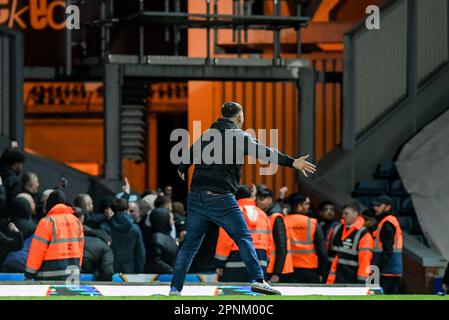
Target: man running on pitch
211 197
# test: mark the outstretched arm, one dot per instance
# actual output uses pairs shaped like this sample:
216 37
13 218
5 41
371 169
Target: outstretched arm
257 150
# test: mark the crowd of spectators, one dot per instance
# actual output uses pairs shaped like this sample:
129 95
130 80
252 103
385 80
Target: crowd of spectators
141 233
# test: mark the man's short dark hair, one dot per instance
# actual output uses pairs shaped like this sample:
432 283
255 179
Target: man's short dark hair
325 203
119 205
230 109
295 199
263 192
161 201
243 192
13 156
353 206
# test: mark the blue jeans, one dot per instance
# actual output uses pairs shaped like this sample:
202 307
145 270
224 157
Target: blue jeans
222 209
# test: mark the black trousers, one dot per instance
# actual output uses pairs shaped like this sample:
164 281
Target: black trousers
390 285
303 276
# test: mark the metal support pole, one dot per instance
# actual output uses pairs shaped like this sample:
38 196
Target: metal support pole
68 48
276 36
349 89
208 33
306 89
141 35
112 113
234 12
167 30
16 89
239 32
215 29
103 50
177 35
298 31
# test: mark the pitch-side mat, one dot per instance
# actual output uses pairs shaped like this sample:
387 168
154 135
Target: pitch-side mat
161 290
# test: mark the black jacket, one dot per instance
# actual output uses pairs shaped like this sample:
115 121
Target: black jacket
127 243
12 184
98 257
9 241
280 241
162 247
225 177
94 220
386 236
22 216
3 201
274 208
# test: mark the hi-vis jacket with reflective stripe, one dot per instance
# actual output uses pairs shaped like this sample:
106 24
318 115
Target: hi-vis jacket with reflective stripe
301 234
288 262
57 243
394 265
350 252
227 252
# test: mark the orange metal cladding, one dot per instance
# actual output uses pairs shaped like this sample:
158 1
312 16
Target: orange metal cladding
78 141
266 106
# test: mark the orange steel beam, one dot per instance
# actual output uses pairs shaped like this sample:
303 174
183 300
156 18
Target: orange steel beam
322 14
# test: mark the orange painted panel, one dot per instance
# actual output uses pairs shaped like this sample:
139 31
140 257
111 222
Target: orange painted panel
66 140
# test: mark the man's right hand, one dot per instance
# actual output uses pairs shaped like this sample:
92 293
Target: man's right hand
181 175
302 165
108 213
274 278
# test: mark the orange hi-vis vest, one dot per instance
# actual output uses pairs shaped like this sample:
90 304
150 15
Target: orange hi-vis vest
57 244
394 265
259 226
301 234
288 263
350 253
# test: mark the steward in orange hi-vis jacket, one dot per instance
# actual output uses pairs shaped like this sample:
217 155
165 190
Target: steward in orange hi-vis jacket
227 255
350 248
57 244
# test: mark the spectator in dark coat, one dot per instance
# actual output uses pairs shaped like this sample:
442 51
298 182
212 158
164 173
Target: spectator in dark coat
91 219
162 247
22 212
3 199
12 160
264 200
30 182
10 239
98 258
179 214
127 243
327 217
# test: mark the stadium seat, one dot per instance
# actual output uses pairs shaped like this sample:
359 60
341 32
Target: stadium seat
366 201
370 188
415 226
406 223
386 170
397 189
407 209
419 237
